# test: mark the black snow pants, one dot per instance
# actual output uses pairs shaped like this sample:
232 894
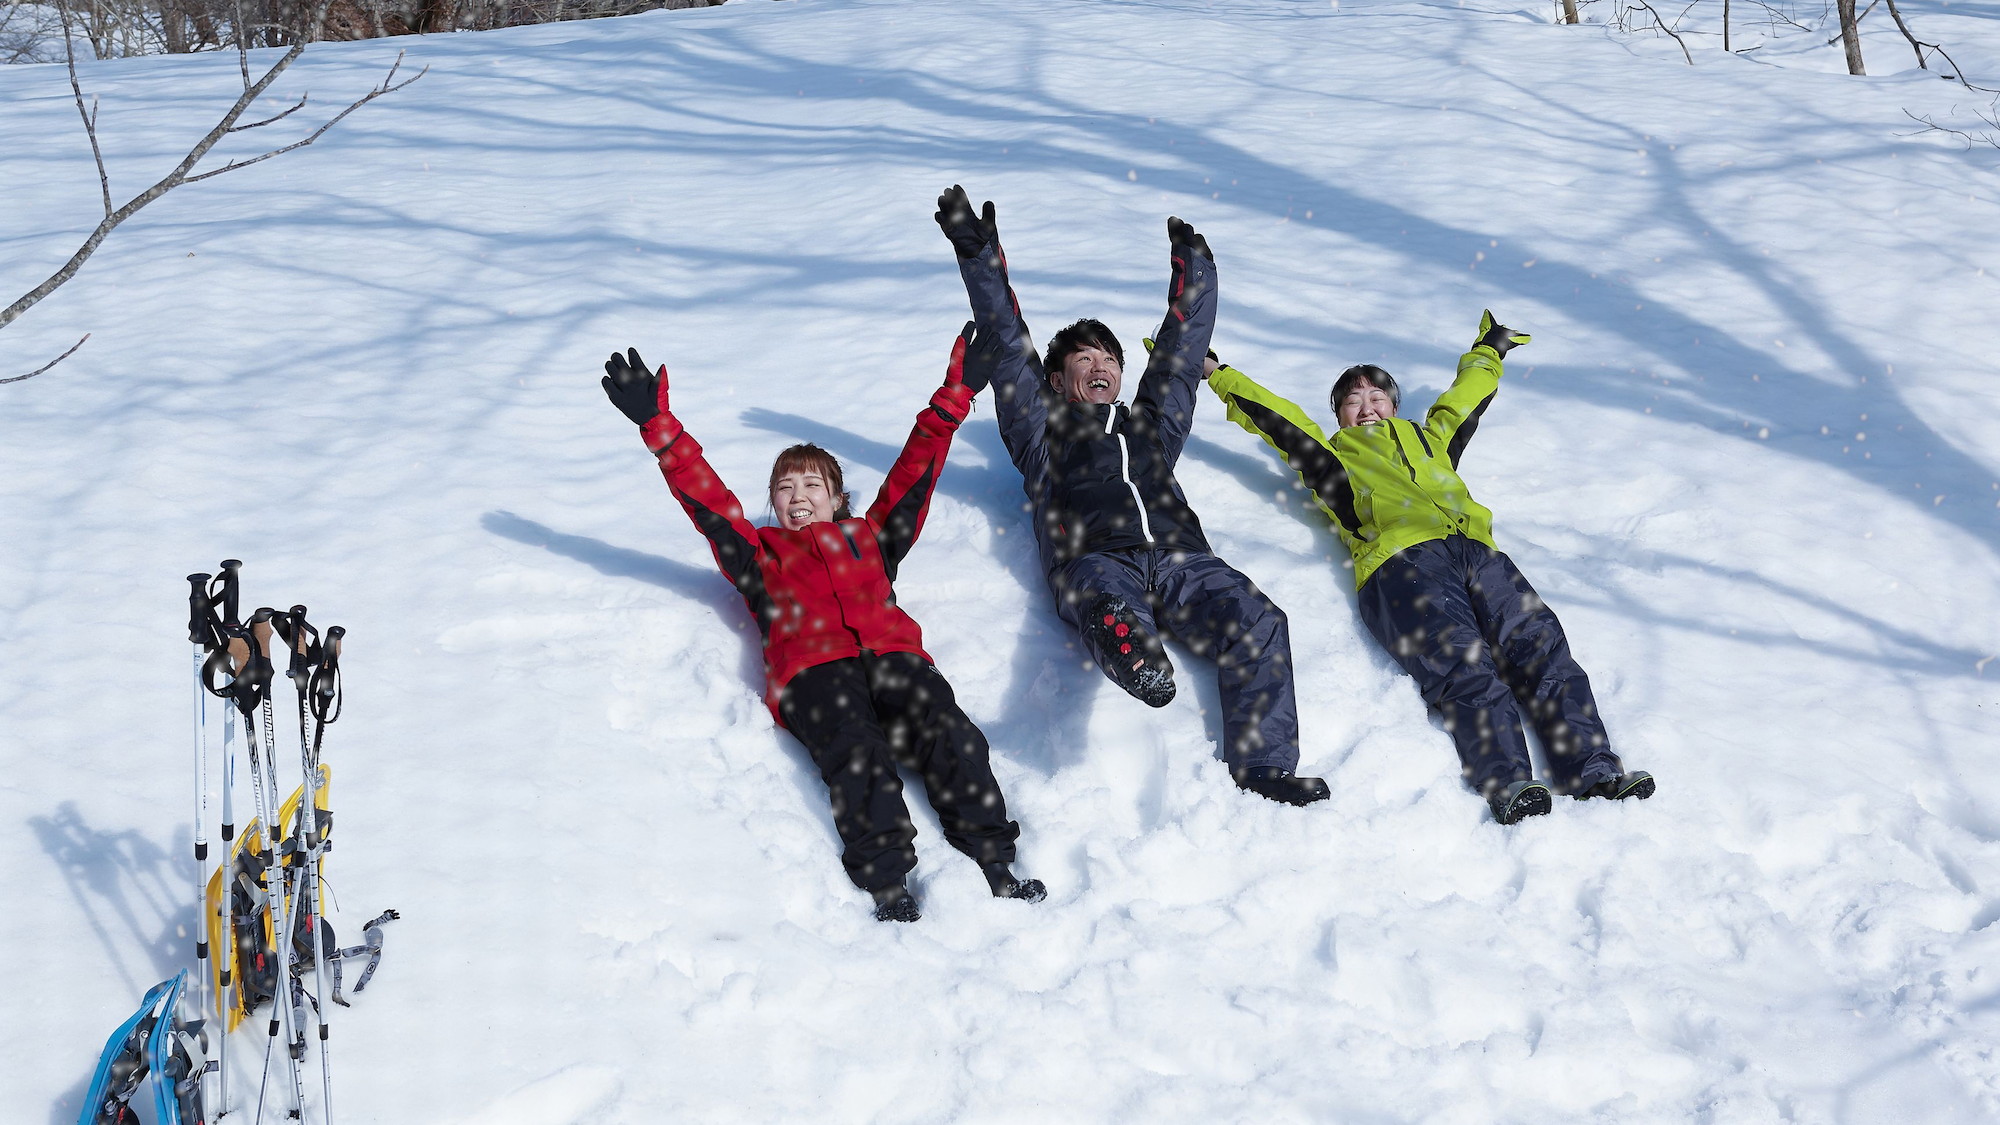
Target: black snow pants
1460 618
1210 607
860 718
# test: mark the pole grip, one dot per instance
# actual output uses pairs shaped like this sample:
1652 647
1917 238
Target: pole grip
201 630
232 579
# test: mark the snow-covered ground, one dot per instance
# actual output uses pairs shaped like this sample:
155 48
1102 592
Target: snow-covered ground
1749 457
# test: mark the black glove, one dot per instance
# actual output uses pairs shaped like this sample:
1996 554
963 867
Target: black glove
969 233
985 349
1181 234
1193 266
1498 336
632 387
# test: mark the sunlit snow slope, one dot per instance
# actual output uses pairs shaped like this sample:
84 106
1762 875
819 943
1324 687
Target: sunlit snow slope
1750 457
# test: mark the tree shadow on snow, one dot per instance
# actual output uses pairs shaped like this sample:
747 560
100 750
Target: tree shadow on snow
697 584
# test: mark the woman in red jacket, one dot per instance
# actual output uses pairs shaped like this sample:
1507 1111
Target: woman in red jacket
845 668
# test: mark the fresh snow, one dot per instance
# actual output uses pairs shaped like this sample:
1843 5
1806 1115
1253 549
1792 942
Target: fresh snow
369 369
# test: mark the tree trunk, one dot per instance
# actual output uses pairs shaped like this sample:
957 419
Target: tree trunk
1569 11
1725 25
1850 37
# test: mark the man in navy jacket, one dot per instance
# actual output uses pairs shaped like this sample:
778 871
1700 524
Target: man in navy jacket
1123 553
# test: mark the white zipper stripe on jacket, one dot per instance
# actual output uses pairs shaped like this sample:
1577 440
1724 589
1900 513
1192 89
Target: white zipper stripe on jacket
1125 472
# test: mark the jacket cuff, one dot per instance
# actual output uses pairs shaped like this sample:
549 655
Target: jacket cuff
953 401
661 433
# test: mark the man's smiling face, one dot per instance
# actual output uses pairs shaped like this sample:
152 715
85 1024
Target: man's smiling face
1091 375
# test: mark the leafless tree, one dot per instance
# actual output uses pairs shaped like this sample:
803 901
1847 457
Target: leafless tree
1850 36
301 33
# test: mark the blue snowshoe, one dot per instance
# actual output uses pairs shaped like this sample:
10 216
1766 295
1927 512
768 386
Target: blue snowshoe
177 1057
122 1067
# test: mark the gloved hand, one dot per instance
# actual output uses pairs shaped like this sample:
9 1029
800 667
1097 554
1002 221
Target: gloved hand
975 356
1181 234
1498 336
969 233
1193 266
641 395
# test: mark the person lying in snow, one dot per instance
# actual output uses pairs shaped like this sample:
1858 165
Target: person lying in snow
1121 550
845 669
1435 591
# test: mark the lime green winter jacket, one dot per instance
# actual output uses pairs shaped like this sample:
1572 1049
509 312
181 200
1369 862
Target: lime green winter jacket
1388 486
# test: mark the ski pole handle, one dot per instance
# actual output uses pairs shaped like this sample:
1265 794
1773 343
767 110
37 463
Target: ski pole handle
231 579
326 679
300 639
201 626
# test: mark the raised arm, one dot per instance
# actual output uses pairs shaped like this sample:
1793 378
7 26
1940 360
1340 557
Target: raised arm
1454 417
642 395
897 515
1296 437
1167 389
1004 351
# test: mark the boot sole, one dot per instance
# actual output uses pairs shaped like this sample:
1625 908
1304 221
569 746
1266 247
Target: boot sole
1152 683
1532 801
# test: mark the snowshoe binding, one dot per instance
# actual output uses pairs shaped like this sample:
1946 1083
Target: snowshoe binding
121 1068
1129 652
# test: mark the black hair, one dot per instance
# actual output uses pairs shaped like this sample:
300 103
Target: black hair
1085 333
1364 373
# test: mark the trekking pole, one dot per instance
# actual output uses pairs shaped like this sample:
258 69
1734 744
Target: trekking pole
201 634
307 654
324 691
276 882
219 677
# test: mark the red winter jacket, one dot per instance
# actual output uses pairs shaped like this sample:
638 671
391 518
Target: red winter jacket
823 593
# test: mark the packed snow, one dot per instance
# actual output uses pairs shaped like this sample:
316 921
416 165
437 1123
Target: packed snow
1748 457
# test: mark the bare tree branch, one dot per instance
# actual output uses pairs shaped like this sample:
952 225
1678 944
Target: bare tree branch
300 104
46 366
90 117
1970 139
183 172
1663 27
1919 46
384 88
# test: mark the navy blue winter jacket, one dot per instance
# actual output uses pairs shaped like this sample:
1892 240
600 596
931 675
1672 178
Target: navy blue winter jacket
1100 478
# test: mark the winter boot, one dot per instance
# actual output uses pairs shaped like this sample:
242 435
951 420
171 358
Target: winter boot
1278 784
1131 656
1638 784
895 904
1513 800
1004 885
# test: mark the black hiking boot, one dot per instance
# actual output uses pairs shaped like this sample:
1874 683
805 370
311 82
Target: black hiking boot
1131 656
895 904
1277 783
1514 800
1638 784
1004 885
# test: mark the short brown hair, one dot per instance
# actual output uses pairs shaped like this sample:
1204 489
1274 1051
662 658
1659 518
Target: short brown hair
810 458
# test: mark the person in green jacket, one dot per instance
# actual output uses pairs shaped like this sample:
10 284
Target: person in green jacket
1435 590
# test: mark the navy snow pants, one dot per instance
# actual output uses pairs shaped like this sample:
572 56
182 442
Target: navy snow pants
860 718
1210 607
1460 619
